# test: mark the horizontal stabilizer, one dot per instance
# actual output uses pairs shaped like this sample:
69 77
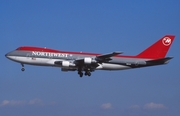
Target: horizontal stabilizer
159 61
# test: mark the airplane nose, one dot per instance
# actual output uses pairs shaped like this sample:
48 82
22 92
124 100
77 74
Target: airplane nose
6 55
10 55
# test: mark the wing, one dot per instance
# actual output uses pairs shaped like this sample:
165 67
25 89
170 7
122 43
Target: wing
97 59
106 57
87 62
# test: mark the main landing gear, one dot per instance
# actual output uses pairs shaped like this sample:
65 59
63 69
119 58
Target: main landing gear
22 69
87 73
80 73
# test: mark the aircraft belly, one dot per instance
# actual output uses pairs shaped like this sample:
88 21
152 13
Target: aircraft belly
108 66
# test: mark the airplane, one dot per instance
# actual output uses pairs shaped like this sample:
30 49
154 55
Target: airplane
85 63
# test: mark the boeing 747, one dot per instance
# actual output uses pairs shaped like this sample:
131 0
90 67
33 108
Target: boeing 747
85 63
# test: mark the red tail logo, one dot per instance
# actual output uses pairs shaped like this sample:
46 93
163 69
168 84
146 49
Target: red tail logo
159 49
166 41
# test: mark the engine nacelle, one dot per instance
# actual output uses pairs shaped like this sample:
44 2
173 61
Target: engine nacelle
67 64
88 60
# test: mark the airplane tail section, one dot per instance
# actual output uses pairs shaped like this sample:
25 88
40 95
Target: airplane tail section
159 49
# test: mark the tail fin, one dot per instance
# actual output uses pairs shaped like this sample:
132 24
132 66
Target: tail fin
158 49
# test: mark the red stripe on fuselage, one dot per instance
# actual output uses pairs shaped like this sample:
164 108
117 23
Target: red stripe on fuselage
39 49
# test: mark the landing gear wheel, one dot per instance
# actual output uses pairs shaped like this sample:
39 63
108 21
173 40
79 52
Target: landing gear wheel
87 73
80 73
23 69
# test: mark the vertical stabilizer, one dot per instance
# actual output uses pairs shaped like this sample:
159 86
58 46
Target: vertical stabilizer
159 49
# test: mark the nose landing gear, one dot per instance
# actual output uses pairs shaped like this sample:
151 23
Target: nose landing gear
22 69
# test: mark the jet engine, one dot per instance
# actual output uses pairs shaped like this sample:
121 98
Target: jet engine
89 60
65 63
